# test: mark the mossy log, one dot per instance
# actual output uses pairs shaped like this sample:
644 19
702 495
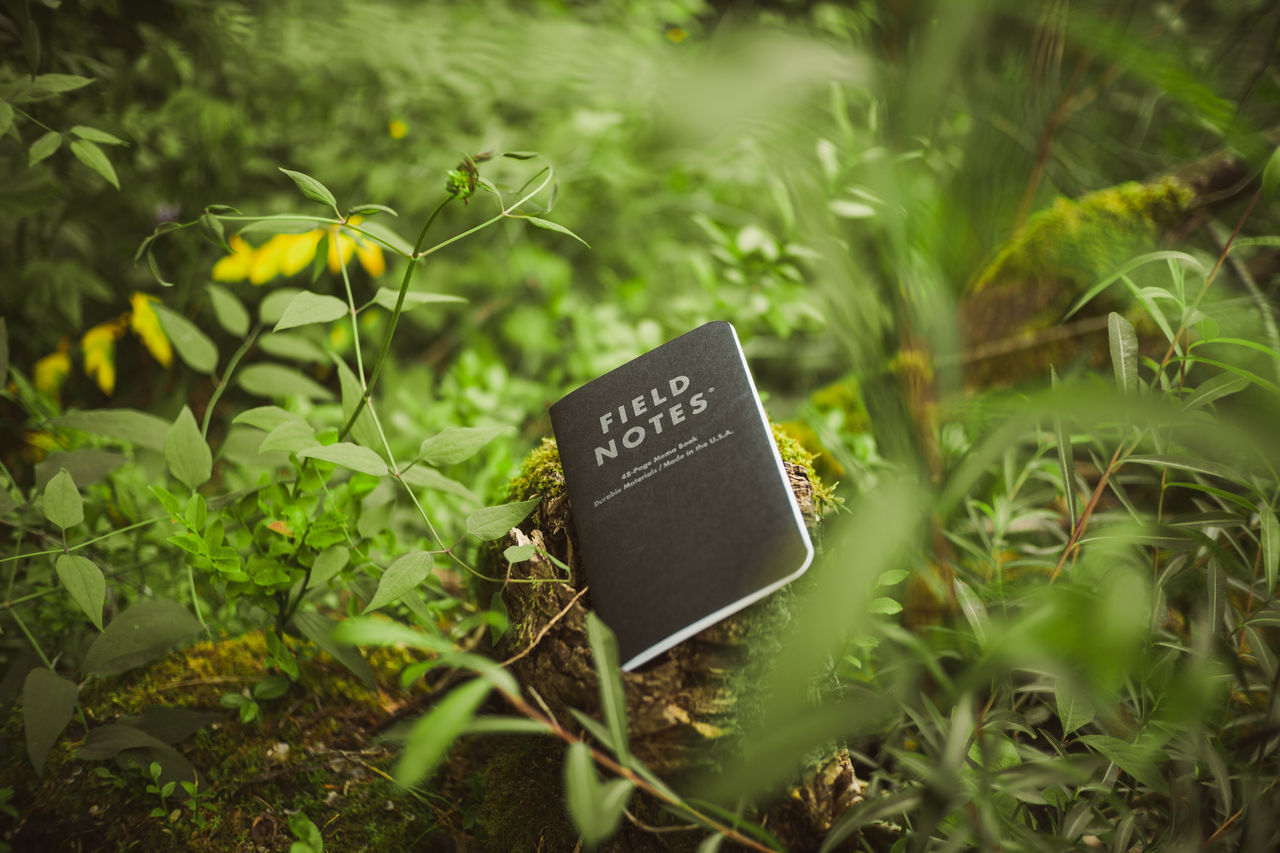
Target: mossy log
1016 303
689 708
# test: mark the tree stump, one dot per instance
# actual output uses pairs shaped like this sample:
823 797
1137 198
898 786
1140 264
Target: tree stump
689 708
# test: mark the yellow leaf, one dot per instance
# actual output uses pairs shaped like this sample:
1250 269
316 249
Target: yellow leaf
341 247
99 347
265 264
371 259
146 325
234 267
51 371
297 250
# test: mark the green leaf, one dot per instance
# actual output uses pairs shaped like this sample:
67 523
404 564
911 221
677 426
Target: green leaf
613 699
307 833
1271 177
520 155
1219 386
711 844
62 502
130 425
94 135
430 478
308 307
292 347
553 226
43 147
290 437
519 553
364 432
4 350
266 417
498 725
368 209
493 522
1066 459
84 581
1135 759
192 345
186 452
6 117
433 734
849 209
319 629
385 235
1128 267
138 635
1124 352
386 297
271 687
271 309
276 380
96 159
974 611
367 631
401 576
48 701
456 444
1188 463
884 606
214 231
348 455
871 810
55 84
328 563
312 189
1075 708
86 466
155 271
1270 535
595 809
594 727
230 312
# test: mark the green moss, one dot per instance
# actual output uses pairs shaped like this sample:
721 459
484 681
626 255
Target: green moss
540 474
1079 240
313 750
521 808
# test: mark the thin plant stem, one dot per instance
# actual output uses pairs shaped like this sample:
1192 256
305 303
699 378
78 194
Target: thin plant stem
84 544
226 379
31 639
608 763
367 387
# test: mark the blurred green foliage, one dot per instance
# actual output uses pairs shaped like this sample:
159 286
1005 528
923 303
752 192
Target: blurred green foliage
1048 619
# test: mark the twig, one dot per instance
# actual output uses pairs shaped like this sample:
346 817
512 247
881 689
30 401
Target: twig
1079 529
634 778
545 628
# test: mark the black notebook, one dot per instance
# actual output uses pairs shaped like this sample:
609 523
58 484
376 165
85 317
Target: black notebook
682 507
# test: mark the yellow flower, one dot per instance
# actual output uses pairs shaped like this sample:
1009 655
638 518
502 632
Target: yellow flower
235 266
343 244
146 325
397 129
52 371
99 347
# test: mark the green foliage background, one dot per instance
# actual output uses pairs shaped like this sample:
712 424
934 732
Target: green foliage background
839 181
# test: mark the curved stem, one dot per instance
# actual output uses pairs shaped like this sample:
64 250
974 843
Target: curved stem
395 319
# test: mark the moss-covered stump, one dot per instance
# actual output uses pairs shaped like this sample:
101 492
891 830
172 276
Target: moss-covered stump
1016 305
314 750
688 709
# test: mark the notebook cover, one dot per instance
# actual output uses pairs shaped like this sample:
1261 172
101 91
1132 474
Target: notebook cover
682 508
